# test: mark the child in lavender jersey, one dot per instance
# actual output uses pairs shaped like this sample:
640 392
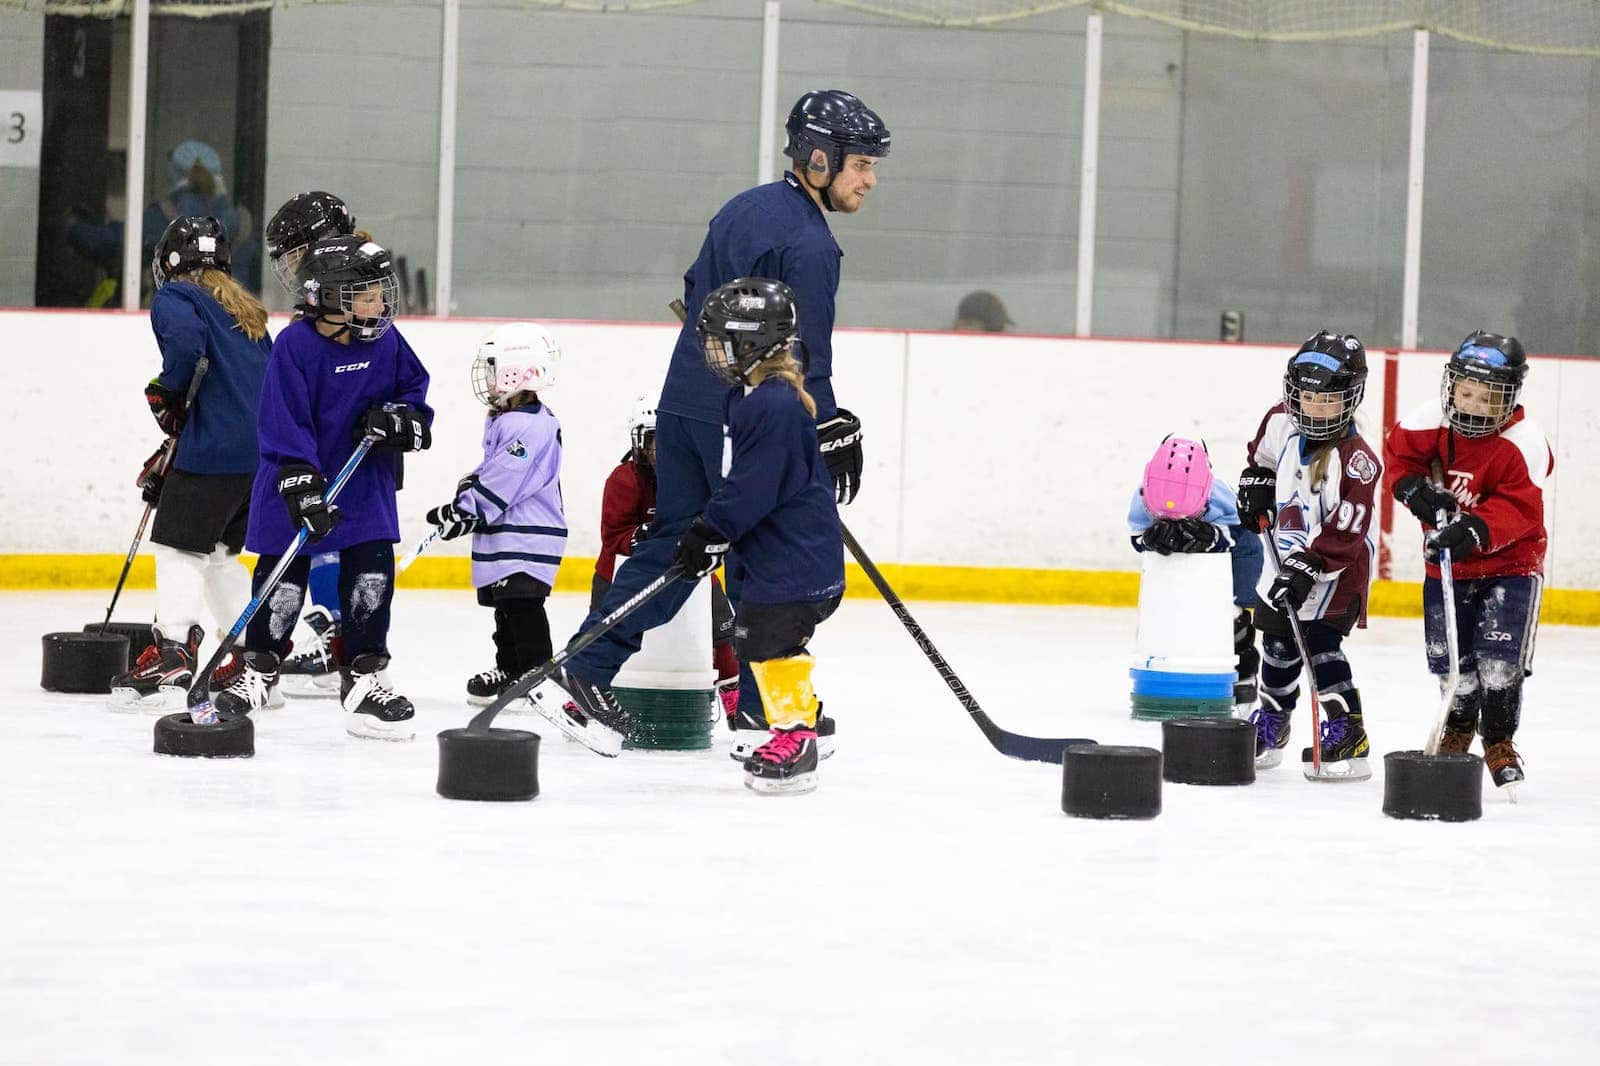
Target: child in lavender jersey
511 504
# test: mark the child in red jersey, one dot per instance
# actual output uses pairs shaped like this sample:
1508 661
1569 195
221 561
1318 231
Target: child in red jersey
1495 462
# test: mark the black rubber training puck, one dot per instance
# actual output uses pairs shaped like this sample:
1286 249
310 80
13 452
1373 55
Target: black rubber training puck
1208 751
82 662
1444 788
140 635
1111 781
494 764
230 738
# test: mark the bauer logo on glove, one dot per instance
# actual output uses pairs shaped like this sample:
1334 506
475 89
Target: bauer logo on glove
1297 576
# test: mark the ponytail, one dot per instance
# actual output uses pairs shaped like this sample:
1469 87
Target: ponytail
784 367
236 300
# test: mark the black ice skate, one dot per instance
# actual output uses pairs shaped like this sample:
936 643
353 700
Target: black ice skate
785 765
159 681
255 688
484 687
376 711
1272 732
824 730
1344 749
315 671
1505 767
592 715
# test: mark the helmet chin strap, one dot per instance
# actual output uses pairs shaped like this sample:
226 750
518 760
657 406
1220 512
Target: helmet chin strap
821 190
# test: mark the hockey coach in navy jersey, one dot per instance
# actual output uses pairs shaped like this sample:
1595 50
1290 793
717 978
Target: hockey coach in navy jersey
779 231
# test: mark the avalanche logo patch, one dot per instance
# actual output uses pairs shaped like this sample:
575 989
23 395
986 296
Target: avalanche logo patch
516 450
1361 467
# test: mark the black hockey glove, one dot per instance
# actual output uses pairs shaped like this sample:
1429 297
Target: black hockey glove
1296 577
167 407
1180 536
700 550
840 437
151 475
452 521
1462 535
1258 497
1423 498
397 425
302 489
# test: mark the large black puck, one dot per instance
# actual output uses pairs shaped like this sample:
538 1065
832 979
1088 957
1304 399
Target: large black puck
491 764
1445 788
82 662
140 635
1208 751
1111 781
230 738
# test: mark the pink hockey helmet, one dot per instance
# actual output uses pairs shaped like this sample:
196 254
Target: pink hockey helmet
1177 479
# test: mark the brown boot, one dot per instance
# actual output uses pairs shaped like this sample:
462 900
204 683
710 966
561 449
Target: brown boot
1454 741
1505 766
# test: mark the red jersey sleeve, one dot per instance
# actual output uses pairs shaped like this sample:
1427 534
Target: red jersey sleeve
1513 505
624 507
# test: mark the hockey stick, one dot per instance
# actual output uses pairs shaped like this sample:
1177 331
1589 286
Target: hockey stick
404 562
201 712
1293 615
201 365
533 678
1447 590
1015 745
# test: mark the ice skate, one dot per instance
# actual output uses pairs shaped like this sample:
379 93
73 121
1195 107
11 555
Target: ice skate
725 701
589 714
255 688
1272 732
160 680
1505 767
1456 738
225 674
1344 750
376 711
315 671
824 729
484 687
785 765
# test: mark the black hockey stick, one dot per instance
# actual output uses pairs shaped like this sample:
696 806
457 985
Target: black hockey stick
201 365
1017 746
530 680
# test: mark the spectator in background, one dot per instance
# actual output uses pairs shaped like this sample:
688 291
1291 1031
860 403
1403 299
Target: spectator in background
981 312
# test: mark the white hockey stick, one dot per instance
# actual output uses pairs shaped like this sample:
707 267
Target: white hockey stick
403 563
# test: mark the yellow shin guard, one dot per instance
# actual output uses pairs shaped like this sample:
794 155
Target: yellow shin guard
786 691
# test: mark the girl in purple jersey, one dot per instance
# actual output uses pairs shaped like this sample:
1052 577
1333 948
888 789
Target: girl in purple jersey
511 503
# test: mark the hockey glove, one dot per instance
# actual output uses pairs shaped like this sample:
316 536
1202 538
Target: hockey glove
152 475
1182 536
1296 577
840 438
1462 535
452 521
1258 497
1423 498
700 550
302 489
166 406
397 425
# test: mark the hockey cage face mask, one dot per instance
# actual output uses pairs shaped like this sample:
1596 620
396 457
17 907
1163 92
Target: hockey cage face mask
1478 402
287 265
368 306
724 358
1321 396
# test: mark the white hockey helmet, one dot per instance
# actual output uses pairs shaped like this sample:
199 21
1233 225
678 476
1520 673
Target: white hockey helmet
642 427
516 357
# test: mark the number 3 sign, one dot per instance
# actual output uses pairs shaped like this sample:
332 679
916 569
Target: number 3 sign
21 122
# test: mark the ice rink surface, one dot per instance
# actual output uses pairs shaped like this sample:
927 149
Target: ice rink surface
929 903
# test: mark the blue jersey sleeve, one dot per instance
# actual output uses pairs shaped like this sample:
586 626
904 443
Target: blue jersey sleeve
411 381
181 335
812 271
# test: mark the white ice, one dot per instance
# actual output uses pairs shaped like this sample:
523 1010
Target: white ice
928 904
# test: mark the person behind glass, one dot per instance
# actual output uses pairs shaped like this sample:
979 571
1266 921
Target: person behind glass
1494 462
511 502
340 373
1312 484
981 312
779 230
313 670
203 502
776 505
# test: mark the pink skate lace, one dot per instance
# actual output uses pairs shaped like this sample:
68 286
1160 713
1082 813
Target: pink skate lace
730 700
784 744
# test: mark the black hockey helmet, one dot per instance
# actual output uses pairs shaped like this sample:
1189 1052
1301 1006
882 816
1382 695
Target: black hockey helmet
1497 365
1329 368
342 277
838 123
305 217
191 242
743 322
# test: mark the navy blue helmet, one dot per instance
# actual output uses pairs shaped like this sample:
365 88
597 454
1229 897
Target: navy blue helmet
1481 383
836 122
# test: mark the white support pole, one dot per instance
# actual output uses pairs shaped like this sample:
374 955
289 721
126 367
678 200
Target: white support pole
1088 173
449 64
133 188
766 144
1412 283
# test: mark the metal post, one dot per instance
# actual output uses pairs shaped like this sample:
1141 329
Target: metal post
133 186
1412 283
444 237
766 147
1088 173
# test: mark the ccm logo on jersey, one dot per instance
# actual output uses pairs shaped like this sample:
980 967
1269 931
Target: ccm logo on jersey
352 366
1361 467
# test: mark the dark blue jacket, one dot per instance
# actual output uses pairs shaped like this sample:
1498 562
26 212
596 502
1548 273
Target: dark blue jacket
770 231
777 503
220 435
